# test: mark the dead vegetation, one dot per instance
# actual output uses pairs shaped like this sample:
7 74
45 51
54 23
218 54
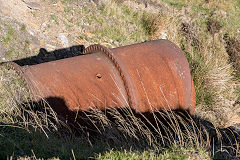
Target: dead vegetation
17 108
233 50
213 55
150 23
120 129
213 26
212 73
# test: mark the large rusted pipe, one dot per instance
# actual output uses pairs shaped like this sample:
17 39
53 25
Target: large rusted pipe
147 76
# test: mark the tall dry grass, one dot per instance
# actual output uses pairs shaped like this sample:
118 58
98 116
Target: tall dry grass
205 48
18 108
118 127
214 83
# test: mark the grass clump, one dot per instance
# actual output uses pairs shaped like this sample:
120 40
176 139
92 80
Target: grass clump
213 26
12 91
9 37
173 153
150 23
213 75
123 26
16 103
202 40
233 50
12 40
54 18
117 133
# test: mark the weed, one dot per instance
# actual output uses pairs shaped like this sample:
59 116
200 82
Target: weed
10 53
213 26
67 10
54 18
150 23
9 37
115 128
23 28
15 101
178 153
233 50
178 5
128 32
26 45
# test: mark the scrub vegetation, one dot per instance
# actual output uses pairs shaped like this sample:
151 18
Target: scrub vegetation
208 31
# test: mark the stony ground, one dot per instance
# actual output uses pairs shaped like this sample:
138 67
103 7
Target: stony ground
35 24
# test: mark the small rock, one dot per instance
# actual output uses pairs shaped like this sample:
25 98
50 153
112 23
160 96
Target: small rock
60 6
164 35
50 47
32 5
31 33
4 11
34 25
41 43
4 59
63 39
33 47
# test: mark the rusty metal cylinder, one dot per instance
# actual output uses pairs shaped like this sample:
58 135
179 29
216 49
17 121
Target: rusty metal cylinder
147 76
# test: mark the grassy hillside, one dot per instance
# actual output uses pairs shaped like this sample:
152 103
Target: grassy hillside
208 31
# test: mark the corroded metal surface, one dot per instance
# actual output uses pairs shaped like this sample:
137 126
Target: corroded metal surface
156 75
148 76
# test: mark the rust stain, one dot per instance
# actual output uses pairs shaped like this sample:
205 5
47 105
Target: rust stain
147 77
